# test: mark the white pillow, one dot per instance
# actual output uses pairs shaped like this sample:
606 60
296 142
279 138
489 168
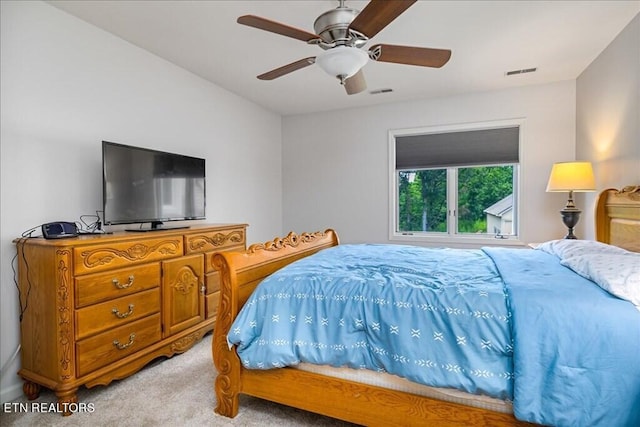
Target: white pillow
618 274
566 248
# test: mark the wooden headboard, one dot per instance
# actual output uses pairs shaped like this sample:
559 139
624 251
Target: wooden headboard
618 217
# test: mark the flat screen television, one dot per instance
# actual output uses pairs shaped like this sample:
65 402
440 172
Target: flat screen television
140 185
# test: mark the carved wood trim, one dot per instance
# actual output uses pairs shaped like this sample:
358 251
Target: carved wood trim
137 252
290 240
65 305
185 280
185 343
226 361
630 191
197 243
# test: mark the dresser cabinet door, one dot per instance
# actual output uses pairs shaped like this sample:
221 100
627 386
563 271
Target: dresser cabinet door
182 293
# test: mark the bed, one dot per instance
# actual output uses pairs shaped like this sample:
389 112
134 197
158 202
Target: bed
562 354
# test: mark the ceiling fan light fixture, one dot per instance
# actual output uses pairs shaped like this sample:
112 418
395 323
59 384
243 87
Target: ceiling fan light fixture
342 61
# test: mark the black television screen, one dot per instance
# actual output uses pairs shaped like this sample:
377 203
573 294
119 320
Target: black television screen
142 185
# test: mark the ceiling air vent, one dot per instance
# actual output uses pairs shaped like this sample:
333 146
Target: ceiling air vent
523 71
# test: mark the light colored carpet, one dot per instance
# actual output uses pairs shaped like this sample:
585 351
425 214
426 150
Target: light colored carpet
169 392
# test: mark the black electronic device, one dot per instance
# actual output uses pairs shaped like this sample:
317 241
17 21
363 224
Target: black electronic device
141 185
59 230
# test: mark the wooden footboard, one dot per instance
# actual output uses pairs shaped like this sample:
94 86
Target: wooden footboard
240 273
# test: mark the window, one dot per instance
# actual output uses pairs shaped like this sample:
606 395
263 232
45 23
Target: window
456 182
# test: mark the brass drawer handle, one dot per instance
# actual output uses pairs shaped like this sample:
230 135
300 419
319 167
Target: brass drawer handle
119 346
117 284
119 315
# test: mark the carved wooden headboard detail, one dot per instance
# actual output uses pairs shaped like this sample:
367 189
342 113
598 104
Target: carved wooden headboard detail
618 217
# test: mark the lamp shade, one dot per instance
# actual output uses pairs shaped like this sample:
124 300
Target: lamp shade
571 176
342 61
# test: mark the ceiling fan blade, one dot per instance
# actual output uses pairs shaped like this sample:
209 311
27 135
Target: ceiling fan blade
355 84
276 27
378 14
286 69
422 56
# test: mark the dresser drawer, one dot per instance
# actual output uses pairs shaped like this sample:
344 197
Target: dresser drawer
211 302
94 288
208 241
107 347
212 282
94 258
100 317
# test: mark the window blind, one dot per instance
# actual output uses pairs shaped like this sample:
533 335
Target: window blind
464 148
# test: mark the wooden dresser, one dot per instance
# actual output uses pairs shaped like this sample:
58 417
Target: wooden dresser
98 308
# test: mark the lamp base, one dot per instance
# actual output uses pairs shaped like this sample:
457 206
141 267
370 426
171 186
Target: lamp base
570 217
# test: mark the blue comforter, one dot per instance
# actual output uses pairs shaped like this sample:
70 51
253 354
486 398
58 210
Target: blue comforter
576 347
454 318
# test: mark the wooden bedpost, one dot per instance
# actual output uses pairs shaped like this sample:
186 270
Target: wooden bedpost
225 359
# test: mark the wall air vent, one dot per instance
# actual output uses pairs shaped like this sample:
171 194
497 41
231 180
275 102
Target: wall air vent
523 71
378 91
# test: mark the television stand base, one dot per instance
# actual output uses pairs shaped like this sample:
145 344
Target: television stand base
144 230
157 226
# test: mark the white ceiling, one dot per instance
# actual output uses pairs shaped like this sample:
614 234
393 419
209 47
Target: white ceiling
487 38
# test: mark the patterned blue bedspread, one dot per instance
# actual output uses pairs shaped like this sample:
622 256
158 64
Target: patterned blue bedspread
509 323
434 316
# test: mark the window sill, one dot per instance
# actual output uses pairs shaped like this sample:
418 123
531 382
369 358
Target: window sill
456 241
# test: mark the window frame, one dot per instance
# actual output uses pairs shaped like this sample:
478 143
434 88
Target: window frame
452 236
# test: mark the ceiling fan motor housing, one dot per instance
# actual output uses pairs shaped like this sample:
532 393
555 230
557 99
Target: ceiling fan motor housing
333 27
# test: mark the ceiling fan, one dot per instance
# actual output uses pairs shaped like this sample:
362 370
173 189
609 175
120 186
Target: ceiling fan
341 33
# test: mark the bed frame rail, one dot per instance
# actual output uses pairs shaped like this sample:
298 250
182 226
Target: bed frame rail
364 404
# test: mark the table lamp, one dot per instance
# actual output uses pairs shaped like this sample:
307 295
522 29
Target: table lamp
571 176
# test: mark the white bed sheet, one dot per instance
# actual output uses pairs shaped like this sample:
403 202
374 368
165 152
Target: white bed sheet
393 382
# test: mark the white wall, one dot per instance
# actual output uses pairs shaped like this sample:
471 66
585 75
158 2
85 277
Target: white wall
608 116
67 85
335 164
